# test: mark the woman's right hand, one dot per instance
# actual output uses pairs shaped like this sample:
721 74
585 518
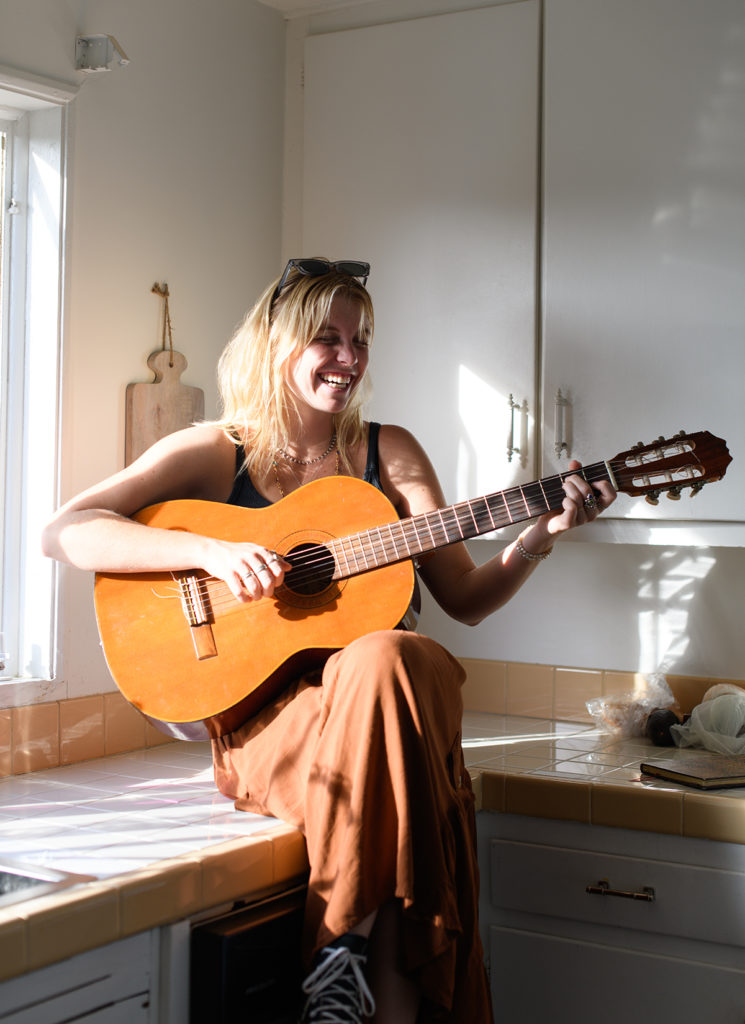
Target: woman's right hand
250 570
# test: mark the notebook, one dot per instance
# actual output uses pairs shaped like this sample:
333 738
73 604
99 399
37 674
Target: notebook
703 770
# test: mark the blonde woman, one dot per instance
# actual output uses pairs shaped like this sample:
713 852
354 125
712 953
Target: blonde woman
364 753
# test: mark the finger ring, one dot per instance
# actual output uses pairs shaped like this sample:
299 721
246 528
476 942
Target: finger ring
590 502
265 568
248 575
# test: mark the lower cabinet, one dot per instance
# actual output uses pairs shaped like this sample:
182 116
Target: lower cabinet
582 923
110 985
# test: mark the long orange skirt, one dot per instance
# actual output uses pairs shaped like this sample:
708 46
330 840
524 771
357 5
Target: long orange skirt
365 757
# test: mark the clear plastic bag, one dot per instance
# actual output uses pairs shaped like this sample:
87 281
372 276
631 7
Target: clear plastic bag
717 724
626 714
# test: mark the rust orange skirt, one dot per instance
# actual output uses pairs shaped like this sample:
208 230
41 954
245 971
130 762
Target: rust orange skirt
365 757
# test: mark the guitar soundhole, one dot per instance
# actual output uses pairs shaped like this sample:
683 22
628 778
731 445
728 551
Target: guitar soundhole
312 570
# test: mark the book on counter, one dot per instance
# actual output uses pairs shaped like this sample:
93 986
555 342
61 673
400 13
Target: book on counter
701 769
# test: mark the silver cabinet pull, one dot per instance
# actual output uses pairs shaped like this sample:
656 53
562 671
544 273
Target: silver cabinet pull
603 888
512 448
560 445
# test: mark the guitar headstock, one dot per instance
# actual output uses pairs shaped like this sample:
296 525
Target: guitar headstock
685 460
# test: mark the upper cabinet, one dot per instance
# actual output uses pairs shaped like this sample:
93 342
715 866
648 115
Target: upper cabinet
552 198
420 155
644 236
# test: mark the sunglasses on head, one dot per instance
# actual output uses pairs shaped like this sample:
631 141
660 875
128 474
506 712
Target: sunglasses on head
317 268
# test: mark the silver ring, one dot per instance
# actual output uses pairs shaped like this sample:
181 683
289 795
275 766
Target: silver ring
590 502
248 575
265 568
274 557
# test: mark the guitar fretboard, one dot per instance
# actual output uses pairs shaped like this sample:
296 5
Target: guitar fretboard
408 538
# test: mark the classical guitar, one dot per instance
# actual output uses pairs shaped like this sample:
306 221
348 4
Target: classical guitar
198 662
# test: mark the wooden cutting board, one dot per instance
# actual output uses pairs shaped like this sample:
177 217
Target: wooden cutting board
156 409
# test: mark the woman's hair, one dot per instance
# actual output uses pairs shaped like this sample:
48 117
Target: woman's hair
256 402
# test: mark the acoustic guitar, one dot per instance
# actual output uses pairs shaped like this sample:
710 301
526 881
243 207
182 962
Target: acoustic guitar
198 663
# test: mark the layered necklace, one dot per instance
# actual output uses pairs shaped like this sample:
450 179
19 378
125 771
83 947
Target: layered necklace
289 459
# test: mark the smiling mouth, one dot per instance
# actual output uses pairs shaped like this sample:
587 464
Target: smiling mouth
336 381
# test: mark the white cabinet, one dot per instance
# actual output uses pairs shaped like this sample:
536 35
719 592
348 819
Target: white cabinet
586 237
116 984
667 943
644 231
420 155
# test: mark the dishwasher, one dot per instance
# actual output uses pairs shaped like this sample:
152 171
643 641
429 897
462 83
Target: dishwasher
245 963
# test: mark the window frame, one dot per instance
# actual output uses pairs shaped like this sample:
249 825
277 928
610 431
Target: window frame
34 112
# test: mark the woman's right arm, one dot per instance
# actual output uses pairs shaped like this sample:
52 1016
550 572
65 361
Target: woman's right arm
95 531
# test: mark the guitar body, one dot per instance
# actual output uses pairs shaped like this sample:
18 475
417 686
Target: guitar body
195 681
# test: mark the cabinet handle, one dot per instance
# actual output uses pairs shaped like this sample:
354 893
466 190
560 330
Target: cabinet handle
511 449
603 889
561 444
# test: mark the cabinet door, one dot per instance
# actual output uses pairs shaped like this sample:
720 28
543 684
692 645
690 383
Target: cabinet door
644 261
550 978
420 150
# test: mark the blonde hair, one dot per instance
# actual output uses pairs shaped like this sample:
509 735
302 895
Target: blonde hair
257 404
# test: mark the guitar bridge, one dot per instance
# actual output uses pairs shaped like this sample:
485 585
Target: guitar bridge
195 604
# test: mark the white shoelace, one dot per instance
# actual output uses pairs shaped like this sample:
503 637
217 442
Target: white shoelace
337 989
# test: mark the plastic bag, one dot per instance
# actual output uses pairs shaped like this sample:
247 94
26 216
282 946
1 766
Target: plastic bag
626 714
717 724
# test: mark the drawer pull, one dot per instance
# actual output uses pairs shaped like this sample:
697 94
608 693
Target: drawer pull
603 889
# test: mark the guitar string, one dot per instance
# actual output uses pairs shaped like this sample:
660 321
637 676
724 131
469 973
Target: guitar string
441 526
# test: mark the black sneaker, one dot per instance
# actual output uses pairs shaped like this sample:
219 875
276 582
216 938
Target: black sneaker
336 988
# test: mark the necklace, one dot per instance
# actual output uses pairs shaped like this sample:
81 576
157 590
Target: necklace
309 462
281 489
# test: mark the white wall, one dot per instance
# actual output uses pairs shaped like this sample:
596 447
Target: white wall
175 175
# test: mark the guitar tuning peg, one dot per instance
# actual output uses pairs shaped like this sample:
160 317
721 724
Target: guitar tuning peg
674 493
653 498
639 444
697 487
660 439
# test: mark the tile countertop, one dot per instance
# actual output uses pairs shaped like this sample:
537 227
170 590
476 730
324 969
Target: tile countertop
162 845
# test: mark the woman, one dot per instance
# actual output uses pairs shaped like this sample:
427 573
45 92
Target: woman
363 755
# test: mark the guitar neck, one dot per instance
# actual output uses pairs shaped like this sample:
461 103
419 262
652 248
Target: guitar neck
409 538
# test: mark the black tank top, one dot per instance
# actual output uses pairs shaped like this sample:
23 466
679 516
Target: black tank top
244 493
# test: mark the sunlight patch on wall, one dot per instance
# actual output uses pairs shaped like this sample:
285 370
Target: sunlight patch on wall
667 591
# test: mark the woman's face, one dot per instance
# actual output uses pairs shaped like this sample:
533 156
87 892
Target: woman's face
325 375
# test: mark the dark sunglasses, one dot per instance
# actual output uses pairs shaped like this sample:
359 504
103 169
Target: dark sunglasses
317 268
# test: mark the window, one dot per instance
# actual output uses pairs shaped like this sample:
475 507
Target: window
32 180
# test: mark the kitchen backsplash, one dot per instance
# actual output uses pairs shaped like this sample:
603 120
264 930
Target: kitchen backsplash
69 731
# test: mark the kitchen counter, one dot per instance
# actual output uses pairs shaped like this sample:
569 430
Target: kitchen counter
162 845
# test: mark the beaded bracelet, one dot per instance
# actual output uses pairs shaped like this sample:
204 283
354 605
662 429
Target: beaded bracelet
529 555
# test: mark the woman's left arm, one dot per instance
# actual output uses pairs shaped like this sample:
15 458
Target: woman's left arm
465 591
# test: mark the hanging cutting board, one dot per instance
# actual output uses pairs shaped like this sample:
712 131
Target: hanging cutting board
156 409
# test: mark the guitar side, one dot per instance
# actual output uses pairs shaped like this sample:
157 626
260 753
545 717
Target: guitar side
206 680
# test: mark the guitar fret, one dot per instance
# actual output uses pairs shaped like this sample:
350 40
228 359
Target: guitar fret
395 529
375 535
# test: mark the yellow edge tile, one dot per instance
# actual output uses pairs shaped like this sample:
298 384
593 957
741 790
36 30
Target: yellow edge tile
711 816
233 870
13 950
168 891
492 790
543 797
75 920
639 807
289 853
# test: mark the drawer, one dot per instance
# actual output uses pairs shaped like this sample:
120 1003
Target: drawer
689 901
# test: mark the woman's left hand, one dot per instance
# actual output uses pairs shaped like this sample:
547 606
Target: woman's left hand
582 503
